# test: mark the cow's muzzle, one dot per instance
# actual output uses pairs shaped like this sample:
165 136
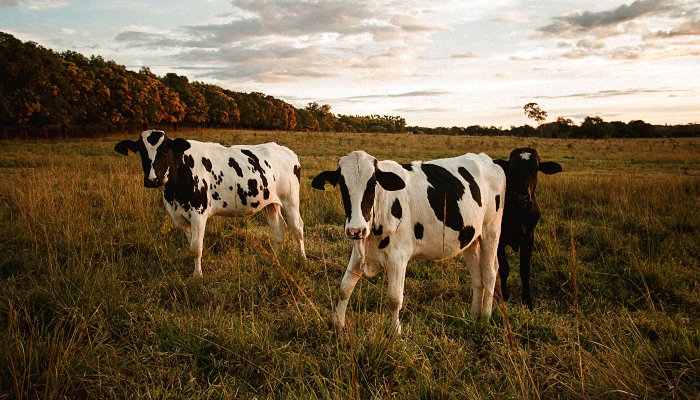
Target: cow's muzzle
356 233
152 183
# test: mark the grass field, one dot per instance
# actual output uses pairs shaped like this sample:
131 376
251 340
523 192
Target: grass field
97 298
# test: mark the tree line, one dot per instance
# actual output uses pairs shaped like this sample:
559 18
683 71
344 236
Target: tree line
41 88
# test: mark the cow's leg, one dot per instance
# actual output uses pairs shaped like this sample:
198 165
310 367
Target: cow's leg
471 258
277 224
291 210
197 225
525 257
503 271
489 264
396 274
352 274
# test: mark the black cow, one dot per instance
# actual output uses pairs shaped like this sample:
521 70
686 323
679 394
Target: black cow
521 213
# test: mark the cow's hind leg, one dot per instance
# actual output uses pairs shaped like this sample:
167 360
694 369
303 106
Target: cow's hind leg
277 224
489 264
471 257
291 210
198 224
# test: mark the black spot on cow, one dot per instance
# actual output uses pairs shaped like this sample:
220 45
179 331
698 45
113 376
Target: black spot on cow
465 236
207 164
225 204
253 188
255 204
473 186
418 230
216 196
384 242
444 193
345 194
407 167
378 230
368 198
297 172
230 188
183 187
233 164
189 161
396 210
498 201
254 162
154 137
242 194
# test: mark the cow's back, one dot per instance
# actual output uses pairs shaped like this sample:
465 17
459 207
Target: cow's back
444 206
243 179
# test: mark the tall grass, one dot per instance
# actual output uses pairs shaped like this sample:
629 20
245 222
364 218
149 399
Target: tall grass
97 298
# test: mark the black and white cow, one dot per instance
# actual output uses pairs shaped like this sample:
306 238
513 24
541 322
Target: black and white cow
204 179
430 210
521 213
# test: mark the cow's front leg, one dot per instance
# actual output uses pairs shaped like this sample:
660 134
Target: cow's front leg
525 257
396 274
352 275
198 224
503 271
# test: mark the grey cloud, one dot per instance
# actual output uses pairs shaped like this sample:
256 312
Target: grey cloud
8 2
612 93
689 28
419 93
263 33
589 20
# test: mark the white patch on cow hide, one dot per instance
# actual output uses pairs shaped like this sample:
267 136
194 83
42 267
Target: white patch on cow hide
525 156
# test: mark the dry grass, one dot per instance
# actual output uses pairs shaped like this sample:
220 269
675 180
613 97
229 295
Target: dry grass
97 298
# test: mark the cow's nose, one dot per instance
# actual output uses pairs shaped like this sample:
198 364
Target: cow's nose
356 233
524 198
151 183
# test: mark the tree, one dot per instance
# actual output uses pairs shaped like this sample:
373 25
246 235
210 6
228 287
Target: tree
534 112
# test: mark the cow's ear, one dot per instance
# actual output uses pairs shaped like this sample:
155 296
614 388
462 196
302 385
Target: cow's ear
125 146
550 167
389 180
319 182
179 145
503 164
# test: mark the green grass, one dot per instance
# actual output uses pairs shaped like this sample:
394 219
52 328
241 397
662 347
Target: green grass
97 298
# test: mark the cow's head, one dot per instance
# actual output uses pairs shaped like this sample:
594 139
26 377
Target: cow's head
156 151
357 177
521 175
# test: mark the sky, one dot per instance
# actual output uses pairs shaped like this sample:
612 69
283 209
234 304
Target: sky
447 63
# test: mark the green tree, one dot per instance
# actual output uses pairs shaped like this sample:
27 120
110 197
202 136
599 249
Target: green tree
534 112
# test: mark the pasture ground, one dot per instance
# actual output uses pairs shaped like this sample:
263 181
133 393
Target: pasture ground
97 298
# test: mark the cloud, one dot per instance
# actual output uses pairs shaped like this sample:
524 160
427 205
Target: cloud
418 93
689 28
588 20
313 37
463 56
8 3
613 93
